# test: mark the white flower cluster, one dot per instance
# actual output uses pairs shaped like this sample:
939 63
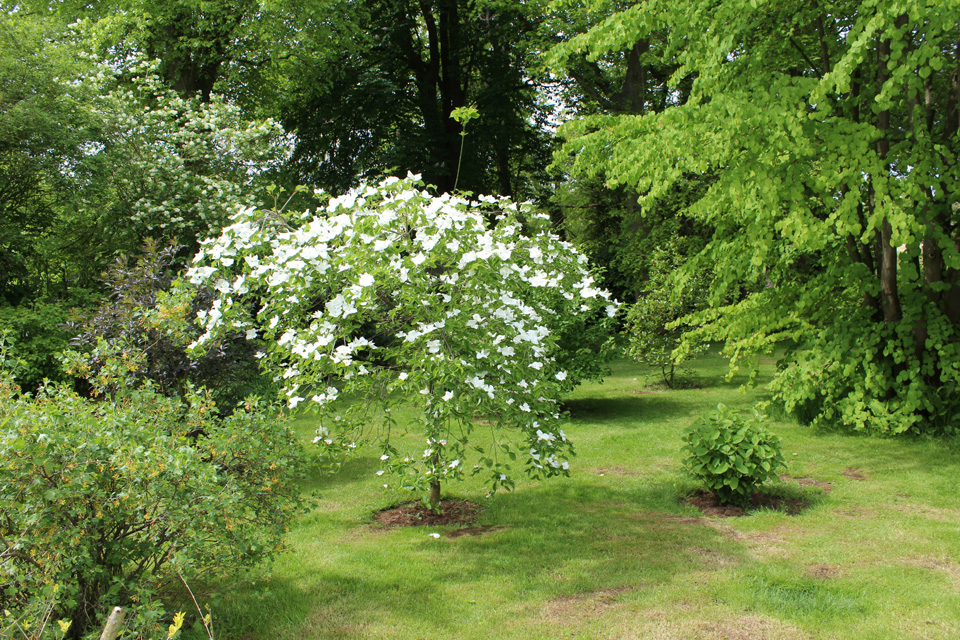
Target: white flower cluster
184 163
390 291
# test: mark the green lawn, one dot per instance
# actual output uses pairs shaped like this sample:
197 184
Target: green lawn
612 553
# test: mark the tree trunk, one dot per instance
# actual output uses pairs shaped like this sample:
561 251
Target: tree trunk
435 481
114 624
889 296
504 179
632 96
439 83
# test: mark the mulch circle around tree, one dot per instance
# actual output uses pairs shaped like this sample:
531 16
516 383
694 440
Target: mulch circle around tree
710 505
414 514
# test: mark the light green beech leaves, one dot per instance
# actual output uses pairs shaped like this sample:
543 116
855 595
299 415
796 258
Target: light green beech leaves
829 133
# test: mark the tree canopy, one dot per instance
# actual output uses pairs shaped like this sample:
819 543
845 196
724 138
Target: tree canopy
831 132
389 296
806 153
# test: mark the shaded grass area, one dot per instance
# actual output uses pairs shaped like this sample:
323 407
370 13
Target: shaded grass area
611 552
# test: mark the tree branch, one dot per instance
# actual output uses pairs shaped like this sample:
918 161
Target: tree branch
805 57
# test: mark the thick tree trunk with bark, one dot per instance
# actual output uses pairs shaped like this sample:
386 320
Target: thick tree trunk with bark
439 80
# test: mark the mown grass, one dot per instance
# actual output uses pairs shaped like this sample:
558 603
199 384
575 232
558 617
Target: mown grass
611 552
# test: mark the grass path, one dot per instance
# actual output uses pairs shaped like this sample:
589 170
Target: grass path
612 553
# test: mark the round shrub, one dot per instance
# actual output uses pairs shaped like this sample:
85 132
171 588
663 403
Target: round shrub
731 456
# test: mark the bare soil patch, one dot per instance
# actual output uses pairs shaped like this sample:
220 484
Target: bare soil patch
823 571
584 605
805 481
675 518
932 513
679 385
713 558
415 514
856 513
746 628
618 471
474 531
941 564
710 505
855 473
693 623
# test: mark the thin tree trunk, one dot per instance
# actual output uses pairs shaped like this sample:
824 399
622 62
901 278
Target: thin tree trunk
824 50
889 295
452 92
435 482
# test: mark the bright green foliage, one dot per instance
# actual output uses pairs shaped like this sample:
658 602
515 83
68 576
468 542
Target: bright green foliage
730 455
196 43
830 134
633 78
608 224
653 323
94 164
45 122
99 500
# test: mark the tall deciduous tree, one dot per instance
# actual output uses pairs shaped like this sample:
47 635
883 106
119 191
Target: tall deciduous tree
609 224
44 122
831 130
362 103
196 43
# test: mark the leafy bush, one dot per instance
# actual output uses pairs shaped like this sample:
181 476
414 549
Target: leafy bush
39 334
653 323
145 331
170 167
732 456
99 500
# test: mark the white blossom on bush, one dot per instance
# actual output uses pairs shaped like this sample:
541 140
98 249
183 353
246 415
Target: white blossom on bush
390 295
177 164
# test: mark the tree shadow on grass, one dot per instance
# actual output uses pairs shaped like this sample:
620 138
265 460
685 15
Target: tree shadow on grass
590 532
353 469
640 409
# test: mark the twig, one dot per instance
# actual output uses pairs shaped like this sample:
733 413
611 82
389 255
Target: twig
196 604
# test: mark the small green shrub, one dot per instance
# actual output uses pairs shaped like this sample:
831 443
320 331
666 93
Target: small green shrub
731 455
654 324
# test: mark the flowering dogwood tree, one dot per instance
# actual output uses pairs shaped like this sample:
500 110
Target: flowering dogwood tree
391 296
